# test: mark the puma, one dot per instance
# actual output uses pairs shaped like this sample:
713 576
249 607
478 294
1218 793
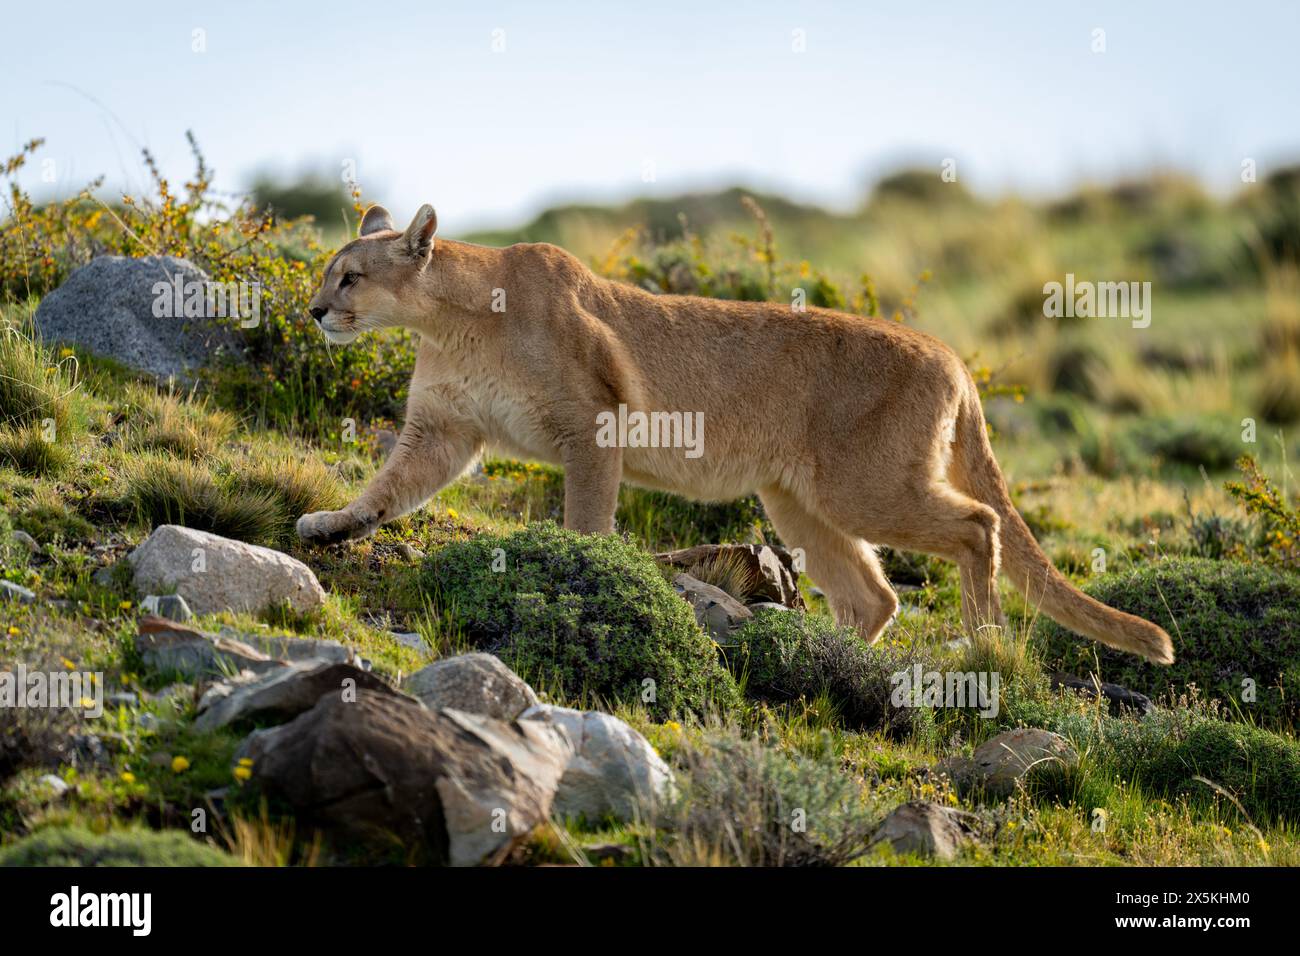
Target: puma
853 431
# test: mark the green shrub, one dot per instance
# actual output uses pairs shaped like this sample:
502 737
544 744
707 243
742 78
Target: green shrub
739 800
582 614
1228 621
785 656
1166 751
77 846
1147 443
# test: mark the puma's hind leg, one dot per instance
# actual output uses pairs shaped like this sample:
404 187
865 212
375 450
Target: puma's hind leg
845 568
937 519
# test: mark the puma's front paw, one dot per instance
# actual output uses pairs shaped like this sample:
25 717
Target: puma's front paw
329 527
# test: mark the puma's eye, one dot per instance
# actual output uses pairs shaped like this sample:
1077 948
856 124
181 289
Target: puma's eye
348 279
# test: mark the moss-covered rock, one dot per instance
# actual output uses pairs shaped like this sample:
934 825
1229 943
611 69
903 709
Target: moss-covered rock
1230 623
77 846
783 656
581 614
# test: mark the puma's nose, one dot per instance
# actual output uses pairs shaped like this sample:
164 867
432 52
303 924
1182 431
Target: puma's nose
318 313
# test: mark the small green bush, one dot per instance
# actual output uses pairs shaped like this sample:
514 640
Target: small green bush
740 797
77 846
581 614
1228 621
785 656
1149 442
1166 751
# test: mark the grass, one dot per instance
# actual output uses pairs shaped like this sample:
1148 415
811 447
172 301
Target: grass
1103 457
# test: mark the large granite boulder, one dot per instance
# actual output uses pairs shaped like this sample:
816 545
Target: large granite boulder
126 309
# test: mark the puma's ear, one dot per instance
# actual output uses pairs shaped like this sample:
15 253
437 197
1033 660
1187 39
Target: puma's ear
376 219
419 234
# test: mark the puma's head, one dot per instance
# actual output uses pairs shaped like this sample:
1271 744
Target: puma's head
364 284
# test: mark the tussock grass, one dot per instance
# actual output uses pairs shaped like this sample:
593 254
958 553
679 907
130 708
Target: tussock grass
169 423
165 490
300 485
35 386
26 450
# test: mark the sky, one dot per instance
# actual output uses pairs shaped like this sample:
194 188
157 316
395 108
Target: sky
493 111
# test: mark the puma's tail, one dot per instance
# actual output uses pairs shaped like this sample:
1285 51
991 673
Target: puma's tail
975 471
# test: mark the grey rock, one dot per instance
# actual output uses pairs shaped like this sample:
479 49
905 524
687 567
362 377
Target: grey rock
215 574
1002 765
715 610
107 306
757 606
459 788
122 699
27 541
613 770
295 649
171 648
56 785
409 552
926 829
170 606
279 695
16 593
1120 700
410 639
473 683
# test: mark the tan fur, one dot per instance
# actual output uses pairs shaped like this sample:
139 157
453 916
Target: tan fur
851 430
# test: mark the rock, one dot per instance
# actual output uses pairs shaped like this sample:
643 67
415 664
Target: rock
926 829
171 648
410 639
1001 765
1121 700
56 785
107 306
610 854
771 569
408 552
279 695
613 772
715 610
170 606
473 683
294 649
16 593
216 574
122 699
458 788
757 606
27 541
